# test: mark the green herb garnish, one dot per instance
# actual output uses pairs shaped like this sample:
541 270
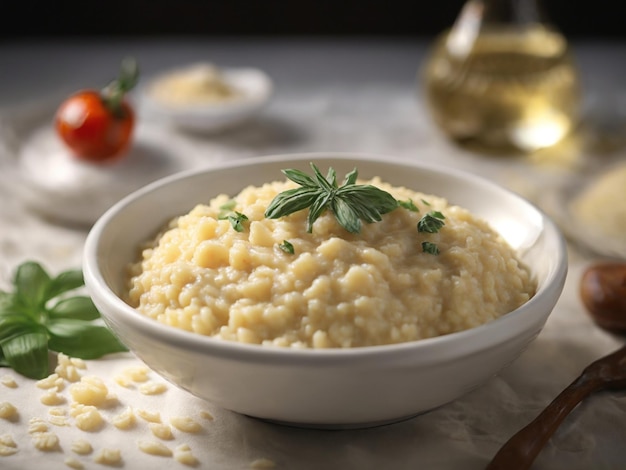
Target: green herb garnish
237 219
36 317
350 203
429 247
113 94
287 247
226 209
409 205
431 222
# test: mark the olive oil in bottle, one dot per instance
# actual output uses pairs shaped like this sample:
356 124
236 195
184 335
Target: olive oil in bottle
502 79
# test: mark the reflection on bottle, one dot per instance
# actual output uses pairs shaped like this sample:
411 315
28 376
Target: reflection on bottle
502 78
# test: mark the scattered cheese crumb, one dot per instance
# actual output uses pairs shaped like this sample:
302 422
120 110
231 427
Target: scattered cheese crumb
77 408
263 463
182 454
57 416
58 420
59 384
206 415
8 381
78 363
152 388
45 441
154 448
108 457
68 372
124 420
89 419
91 390
150 416
36 425
185 424
137 373
162 431
123 381
81 447
7 410
56 411
47 382
52 397
67 367
63 359
74 463
7 445
7 440
5 450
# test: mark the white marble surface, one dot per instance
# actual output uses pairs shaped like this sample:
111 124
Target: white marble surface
350 95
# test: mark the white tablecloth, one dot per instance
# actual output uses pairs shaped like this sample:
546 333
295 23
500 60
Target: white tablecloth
330 96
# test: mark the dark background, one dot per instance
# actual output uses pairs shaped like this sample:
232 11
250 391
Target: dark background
29 19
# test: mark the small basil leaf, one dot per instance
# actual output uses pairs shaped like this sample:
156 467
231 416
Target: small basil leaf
226 208
290 201
316 210
82 339
331 177
370 196
347 217
8 304
322 182
15 325
431 248
3 361
431 222
236 221
64 282
27 354
351 178
300 178
409 205
287 247
79 307
31 282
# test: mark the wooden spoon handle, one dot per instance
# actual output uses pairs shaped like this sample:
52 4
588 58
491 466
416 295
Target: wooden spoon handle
519 452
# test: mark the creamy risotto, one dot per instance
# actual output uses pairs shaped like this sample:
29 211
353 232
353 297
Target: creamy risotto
336 289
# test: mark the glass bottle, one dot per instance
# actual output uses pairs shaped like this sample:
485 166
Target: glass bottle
502 78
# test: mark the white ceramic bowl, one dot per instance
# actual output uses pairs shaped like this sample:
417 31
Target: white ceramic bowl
254 86
338 387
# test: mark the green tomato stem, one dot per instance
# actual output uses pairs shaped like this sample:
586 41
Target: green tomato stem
113 94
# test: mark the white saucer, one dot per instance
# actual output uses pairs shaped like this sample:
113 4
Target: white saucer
587 228
40 170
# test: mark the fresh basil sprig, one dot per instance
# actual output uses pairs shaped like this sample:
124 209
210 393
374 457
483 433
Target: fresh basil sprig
37 316
351 203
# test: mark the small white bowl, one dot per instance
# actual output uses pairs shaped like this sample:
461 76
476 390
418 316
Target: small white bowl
254 89
324 388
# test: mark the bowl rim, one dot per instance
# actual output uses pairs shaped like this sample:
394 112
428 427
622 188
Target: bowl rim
491 333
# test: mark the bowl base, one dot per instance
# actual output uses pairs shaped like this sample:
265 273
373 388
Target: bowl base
339 426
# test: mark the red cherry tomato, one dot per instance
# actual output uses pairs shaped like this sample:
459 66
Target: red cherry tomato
98 125
91 129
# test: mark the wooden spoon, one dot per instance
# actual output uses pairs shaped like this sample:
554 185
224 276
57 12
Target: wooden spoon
521 450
